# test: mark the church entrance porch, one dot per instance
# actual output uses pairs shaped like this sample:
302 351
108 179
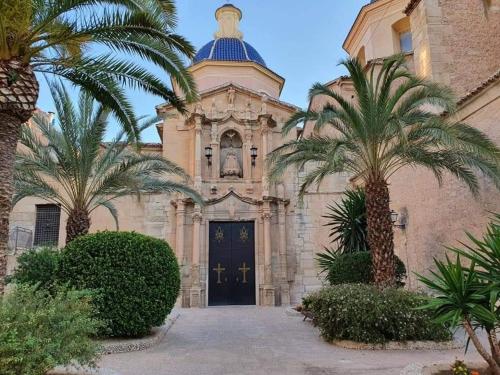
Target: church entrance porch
231 279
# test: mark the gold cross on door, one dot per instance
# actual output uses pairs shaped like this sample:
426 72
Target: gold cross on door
244 270
219 270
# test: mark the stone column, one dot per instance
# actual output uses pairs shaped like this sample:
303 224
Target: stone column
215 151
179 249
284 287
197 153
268 297
264 119
195 293
179 232
247 159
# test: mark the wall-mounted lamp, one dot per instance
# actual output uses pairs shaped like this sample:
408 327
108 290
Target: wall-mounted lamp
394 219
208 154
253 154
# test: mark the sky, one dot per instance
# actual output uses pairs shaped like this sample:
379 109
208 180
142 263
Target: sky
301 40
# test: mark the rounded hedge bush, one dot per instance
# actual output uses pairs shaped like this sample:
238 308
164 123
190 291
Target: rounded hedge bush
357 268
362 313
37 267
136 278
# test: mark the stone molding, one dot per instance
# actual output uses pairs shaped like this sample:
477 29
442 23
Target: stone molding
400 345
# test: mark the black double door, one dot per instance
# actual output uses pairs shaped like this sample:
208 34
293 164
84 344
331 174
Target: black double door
231 278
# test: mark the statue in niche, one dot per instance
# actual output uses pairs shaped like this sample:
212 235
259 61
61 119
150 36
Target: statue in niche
231 166
231 146
230 97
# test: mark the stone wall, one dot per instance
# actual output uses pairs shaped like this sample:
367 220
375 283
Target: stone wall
439 216
456 42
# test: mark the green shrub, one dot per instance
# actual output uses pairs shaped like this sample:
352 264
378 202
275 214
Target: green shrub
357 268
37 266
347 222
362 313
39 330
137 278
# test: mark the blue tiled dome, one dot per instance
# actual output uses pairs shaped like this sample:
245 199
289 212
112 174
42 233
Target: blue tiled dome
228 49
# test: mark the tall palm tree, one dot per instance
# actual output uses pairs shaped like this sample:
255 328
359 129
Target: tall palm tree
72 167
83 41
394 122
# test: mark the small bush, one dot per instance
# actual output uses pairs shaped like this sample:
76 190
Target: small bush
363 313
357 268
136 276
37 266
39 331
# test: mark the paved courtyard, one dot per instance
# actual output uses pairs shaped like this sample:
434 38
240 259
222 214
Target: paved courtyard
252 340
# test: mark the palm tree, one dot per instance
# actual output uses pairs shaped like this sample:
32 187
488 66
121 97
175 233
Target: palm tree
83 41
72 167
394 122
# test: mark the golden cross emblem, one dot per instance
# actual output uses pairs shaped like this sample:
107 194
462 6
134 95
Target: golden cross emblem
244 270
219 270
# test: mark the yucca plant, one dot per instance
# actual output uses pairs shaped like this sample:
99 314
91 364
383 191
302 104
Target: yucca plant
100 46
395 121
71 166
347 222
469 296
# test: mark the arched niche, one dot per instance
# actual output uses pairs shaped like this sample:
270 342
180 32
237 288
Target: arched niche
231 155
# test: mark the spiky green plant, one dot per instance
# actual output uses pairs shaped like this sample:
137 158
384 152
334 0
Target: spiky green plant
395 121
462 298
469 296
101 46
347 222
72 167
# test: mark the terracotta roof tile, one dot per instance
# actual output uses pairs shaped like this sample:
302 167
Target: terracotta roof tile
482 86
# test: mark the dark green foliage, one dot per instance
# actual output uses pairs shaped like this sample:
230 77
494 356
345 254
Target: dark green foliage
326 259
357 268
364 313
469 295
137 278
37 266
40 330
347 222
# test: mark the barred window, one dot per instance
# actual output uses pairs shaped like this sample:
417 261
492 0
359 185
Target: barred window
48 217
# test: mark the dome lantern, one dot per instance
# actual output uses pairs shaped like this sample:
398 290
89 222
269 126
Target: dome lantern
228 17
228 43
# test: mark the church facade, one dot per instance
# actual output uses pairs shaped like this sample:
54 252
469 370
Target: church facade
252 242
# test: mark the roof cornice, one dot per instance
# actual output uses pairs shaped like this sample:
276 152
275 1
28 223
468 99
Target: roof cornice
411 6
479 89
225 86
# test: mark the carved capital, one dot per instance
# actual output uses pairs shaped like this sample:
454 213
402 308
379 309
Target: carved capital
197 217
267 215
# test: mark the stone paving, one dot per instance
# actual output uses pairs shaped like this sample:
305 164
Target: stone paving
253 340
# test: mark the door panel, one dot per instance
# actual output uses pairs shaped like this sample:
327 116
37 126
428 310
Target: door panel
231 263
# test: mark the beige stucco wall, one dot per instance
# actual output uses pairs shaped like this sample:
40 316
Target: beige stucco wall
373 30
210 74
438 217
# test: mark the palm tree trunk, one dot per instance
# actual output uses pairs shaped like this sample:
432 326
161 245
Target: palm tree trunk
78 224
495 369
18 96
380 232
494 345
9 134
